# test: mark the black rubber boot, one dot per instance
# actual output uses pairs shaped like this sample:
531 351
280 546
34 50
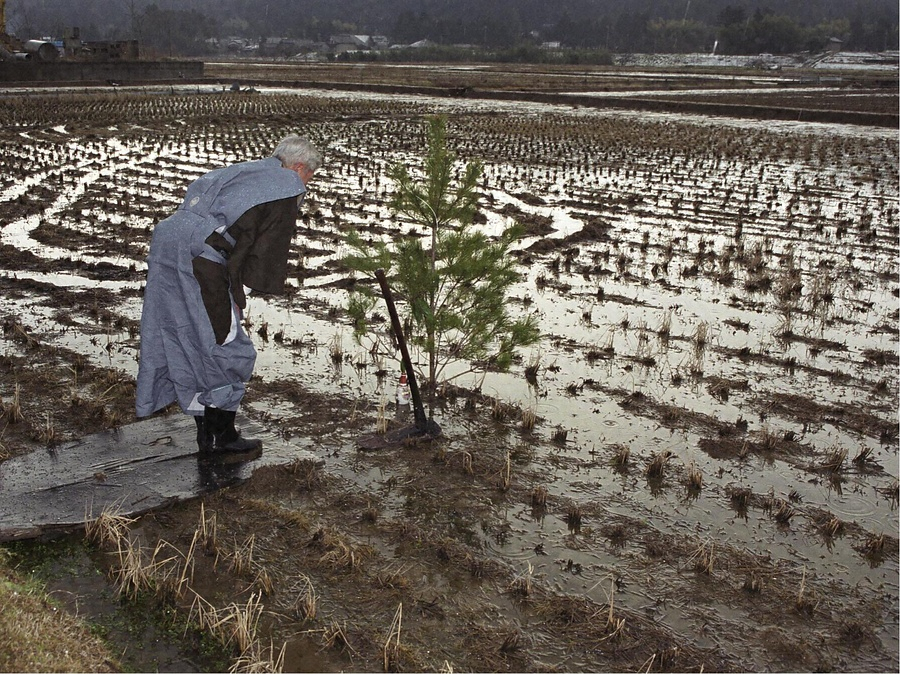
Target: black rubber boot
204 442
223 436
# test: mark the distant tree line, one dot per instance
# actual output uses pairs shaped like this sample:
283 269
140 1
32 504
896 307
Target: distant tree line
183 27
521 53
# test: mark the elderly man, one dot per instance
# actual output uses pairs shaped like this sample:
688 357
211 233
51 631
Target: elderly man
233 231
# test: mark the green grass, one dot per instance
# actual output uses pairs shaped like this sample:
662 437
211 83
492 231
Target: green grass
37 636
40 634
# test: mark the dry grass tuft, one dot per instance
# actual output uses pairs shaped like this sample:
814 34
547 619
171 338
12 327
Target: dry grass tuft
341 555
615 627
662 660
240 621
498 411
560 435
12 412
664 329
187 568
306 472
863 457
46 432
573 517
873 547
740 498
529 418
259 660
616 533
655 468
701 337
477 567
336 348
857 632
510 643
703 558
892 491
621 456
391 648
768 439
335 637
694 479
295 518
567 610
522 584
539 497
303 600
337 552
505 479
834 459
392 577
832 527
381 422
782 511
583 619
134 575
242 558
370 514
208 531
531 370
806 603
107 528
753 584
262 580
236 626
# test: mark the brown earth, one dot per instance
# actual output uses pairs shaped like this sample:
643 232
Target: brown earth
400 547
846 103
409 530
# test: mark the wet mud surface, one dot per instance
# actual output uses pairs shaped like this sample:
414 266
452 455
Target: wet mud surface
712 479
860 97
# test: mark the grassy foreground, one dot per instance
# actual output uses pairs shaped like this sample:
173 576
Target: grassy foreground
36 636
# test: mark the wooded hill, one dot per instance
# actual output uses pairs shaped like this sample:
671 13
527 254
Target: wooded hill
736 26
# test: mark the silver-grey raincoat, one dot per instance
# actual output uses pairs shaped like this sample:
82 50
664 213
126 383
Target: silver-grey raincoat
180 359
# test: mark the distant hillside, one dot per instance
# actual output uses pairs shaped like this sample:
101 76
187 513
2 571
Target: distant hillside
736 26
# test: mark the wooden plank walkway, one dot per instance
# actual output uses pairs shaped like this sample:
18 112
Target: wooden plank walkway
130 471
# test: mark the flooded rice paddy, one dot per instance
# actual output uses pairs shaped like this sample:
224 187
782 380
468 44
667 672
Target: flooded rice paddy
716 389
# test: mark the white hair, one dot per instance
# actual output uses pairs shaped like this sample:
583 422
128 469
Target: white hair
294 149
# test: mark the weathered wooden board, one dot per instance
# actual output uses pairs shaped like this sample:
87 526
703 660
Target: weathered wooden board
132 470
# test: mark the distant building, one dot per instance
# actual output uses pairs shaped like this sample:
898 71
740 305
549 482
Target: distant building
115 50
309 50
834 45
232 44
277 46
346 42
313 56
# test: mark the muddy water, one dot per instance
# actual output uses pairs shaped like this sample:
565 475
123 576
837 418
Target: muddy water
743 291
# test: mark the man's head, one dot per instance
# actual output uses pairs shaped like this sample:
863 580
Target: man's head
299 155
